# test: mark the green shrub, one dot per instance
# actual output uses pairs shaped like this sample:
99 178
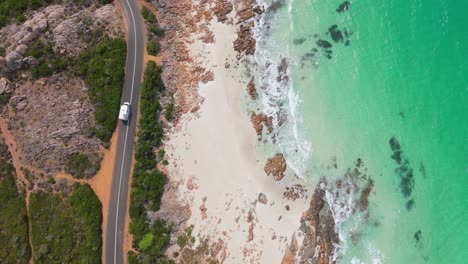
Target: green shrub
66 229
103 70
148 15
13 217
155 29
169 114
79 166
152 48
20 18
146 241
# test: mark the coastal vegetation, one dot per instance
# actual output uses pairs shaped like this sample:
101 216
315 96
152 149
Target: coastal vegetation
102 67
148 182
66 228
155 32
13 216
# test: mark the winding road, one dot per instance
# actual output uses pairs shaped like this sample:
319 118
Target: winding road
123 159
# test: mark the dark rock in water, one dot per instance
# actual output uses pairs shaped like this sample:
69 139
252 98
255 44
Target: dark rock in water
346 32
316 35
275 6
328 56
401 170
409 204
314 50
347 42
343 7
407 183
402 114
323 44
335 33
298 41
394 144
328 51
364 199
397 156
417 235
422 169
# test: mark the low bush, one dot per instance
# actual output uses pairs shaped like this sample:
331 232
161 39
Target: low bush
152 48
148 15
80 166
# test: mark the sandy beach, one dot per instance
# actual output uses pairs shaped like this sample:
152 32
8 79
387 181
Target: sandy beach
215 158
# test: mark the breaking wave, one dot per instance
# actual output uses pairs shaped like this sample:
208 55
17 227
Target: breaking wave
279 100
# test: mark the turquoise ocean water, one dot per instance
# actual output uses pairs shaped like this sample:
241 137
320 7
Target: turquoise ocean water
395 69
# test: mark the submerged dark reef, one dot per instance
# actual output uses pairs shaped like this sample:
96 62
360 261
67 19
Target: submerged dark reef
404 171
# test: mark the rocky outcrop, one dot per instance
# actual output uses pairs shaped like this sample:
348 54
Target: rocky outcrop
290 253
14 61
108 17
222 9
318 226
245 42
251 89
276 166
5 86
62 25
344 198
52 119
66 37
261 121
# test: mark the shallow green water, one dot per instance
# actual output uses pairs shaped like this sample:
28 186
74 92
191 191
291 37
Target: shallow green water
404 74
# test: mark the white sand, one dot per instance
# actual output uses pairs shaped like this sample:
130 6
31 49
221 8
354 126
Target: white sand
220 149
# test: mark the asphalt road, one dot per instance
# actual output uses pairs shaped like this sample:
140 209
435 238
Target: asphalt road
123 159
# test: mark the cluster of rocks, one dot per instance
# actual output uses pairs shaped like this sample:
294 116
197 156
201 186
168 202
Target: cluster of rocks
6 87
251 89
222 9
342 198
62 25
276 166
245 42
261 121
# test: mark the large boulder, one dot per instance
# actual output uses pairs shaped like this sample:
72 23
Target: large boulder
31 61
21 49
14 61
3 85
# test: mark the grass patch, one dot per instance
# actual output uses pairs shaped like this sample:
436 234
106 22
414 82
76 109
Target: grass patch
66 229
13 218
103 70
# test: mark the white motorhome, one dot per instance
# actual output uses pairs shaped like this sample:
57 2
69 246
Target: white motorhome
124 113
